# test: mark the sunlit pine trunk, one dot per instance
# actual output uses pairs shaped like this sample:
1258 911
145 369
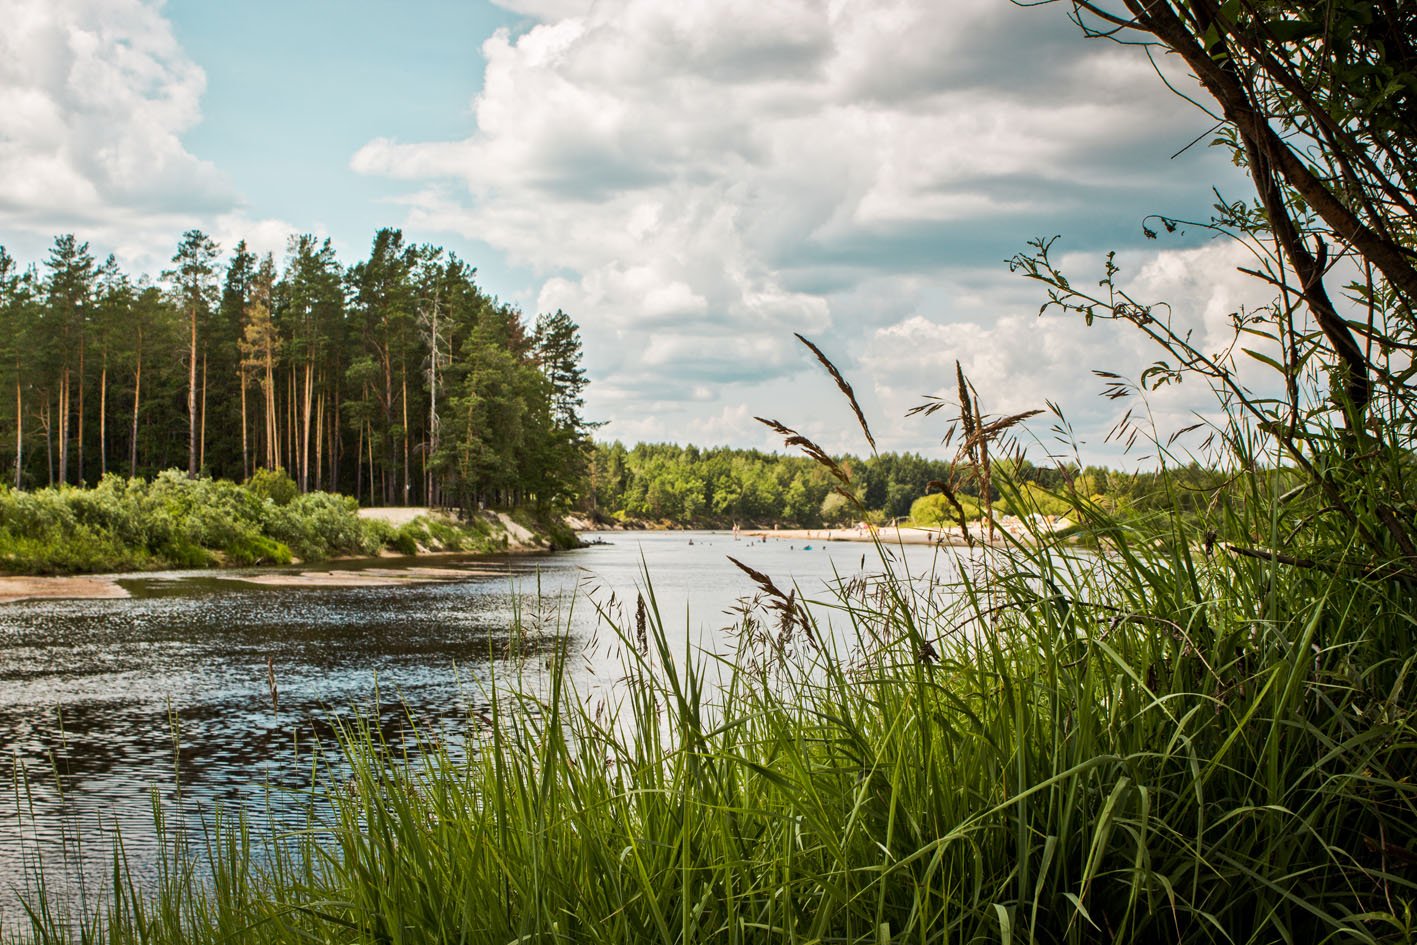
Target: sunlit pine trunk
272 438
63 429
407 484
202 437
319 441
137 395
305 429
291 422
80 476
192 399
389 451
103 417
432 405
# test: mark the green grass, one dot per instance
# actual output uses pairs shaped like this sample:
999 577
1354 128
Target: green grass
1154 745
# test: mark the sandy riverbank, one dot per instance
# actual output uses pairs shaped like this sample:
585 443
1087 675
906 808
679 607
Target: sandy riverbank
519 538
397 515
88 587
359 577
889 535
106 586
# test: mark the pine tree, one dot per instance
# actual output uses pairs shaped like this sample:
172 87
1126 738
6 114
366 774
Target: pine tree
70 293
193 285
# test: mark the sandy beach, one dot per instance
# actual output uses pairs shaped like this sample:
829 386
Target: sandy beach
28 587
891 535
359 577
397 515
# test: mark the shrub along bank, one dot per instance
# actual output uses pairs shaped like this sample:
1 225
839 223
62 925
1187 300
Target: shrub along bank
175 522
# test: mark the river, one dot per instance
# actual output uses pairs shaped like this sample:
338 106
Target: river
109 705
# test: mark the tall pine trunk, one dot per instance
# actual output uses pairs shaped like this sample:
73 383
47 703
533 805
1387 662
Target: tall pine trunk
272 435
192 400
137 396
245 461
389 447
63 428
103 417
407 485
202 437
319 441
335 445
291 423
80 476
305 430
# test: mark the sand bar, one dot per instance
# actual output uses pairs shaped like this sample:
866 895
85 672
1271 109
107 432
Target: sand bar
890 536
90 587
359 577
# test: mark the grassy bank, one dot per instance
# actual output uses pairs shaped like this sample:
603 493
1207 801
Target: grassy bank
1165 745
175 522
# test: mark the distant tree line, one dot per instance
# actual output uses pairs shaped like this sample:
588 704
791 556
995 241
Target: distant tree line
690 485
396 379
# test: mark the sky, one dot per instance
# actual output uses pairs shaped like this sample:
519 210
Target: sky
693 182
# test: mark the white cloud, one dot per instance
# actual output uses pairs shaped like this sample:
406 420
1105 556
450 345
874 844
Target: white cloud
695 181
94 98
1022 361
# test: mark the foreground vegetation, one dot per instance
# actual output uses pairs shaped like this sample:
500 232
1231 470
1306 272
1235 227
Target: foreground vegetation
1203 734
1176 746
176 522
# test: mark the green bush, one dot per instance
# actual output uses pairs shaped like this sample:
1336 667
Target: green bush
935 511
405 539
1029 498
257 549
273 484
176 522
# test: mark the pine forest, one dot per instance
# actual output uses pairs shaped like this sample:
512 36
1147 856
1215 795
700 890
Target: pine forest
396 379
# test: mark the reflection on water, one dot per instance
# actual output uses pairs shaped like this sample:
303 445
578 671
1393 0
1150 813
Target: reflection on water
103 703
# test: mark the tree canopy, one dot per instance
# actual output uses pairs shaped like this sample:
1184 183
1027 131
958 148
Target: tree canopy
397 379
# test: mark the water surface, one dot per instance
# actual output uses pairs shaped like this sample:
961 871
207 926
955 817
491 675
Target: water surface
106 705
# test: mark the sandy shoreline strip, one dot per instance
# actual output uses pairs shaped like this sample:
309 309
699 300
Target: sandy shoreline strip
360 577
888 535
397 515
15 588
87 587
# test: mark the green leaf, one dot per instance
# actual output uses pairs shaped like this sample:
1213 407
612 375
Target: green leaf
1288 31
1264 359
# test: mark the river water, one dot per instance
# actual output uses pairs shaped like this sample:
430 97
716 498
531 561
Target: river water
107 706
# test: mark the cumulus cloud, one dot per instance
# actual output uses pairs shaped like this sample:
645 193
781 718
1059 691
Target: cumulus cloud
695 181
94 98
1024 360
